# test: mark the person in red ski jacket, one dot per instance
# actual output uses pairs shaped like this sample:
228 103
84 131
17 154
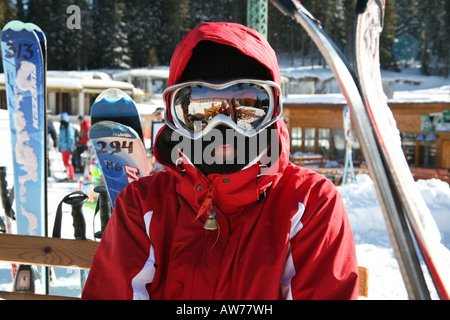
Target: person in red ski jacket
230 218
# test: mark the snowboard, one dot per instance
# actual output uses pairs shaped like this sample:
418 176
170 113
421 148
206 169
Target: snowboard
118 146
23 55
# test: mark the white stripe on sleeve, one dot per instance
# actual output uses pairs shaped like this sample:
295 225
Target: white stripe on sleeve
289 268
147 273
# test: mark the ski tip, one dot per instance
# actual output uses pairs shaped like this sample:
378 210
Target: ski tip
17 25
28 31
33 27
114 102
113 95
360 6
38 31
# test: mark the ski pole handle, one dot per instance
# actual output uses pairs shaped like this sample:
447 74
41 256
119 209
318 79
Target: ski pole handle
76 200
79 224
105 208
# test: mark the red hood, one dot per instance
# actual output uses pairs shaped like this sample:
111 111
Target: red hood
244 186
246 40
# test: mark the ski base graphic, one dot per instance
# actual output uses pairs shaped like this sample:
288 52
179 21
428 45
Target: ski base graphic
120 153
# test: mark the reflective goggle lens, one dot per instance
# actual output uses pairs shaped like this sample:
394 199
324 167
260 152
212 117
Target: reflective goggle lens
245 104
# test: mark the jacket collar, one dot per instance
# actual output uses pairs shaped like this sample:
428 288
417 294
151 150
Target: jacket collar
229 193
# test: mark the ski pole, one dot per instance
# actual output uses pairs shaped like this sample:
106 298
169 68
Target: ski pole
79 224
104 206
75 200
6 197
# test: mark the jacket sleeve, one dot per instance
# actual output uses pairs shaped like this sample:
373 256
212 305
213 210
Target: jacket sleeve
122 267
322 260
71 137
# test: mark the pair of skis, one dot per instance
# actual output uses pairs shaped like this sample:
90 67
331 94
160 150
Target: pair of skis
408 219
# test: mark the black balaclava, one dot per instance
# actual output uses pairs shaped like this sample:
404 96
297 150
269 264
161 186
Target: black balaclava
217 63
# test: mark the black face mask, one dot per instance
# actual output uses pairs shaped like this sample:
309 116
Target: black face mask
201 152
242 156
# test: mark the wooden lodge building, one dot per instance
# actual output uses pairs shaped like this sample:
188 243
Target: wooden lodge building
316 129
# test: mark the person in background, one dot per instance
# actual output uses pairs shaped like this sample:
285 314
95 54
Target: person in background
66 144
52 140
82 143
158 116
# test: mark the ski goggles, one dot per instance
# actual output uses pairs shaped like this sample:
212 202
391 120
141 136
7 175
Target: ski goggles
245 105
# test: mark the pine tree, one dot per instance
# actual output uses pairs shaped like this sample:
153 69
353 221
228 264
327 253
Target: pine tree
7 12
79 40
429 30
131 33
387 37
50 16
142 20
20 11
445 39
348 36
175 24
440 45
111 45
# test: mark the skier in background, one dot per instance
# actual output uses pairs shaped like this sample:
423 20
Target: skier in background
66 144
52 141
81 146
158 116
254 227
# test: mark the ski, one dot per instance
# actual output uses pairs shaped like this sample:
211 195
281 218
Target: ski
23 55
396 223
118 146
115 105
369 24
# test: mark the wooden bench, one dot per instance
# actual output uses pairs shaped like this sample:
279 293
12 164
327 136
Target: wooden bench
71 253
310 161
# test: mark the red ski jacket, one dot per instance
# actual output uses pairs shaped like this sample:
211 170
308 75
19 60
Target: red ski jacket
283 235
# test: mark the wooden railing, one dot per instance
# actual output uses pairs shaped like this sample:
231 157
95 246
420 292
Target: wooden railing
71 253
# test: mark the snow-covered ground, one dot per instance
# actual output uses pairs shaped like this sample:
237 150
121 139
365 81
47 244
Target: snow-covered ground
373 246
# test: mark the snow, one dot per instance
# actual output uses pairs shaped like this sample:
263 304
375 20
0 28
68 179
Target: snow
406 86
373 247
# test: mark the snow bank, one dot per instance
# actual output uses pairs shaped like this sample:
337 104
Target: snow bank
373 246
